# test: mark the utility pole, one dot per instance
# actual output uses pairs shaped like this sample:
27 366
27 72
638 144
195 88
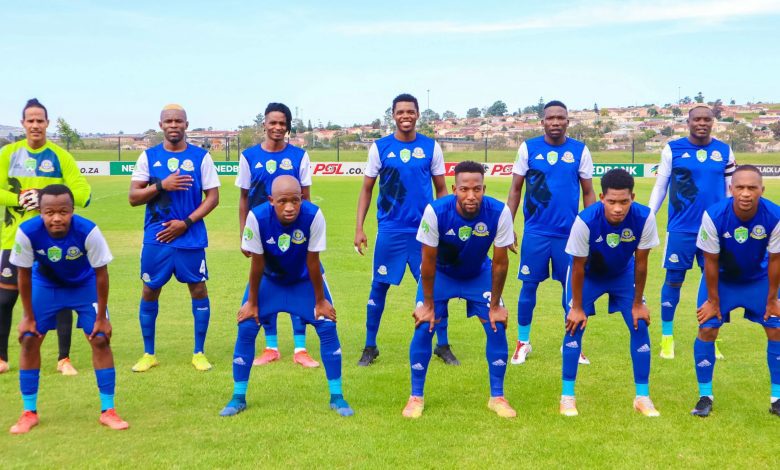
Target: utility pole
429 98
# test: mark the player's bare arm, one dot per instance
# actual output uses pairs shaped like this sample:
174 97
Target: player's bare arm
711 307
27 325
364 200
142 192
425 313
322 308
588 194
772 304
439 186
498 313
639 310
249 309
576 317
102 324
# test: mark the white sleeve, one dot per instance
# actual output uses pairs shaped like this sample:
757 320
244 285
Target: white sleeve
579 239
662 180
317 233
586 164
774 240
730 168
304 175
428 233
141 170
252 239
437 164
22 255
98 253
649 237
506 229
244 176
708 240
208 173
521 161
374 164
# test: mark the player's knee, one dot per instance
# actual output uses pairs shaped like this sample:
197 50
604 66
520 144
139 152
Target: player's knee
772 334
99 342
29 344
674 278
708 334
150 295
248 329
198 290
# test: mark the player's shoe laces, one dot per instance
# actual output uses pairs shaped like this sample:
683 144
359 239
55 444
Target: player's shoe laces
200 362
269 355
667 347
501 407
568 406
65 367
414 407
112 420
146 362
718 354
703 407
236 405
3 367
25 423
521 353
445 353
341 406
370 353
303 358
774 408
645 406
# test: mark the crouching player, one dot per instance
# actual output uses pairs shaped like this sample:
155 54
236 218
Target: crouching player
62 264
456 232
740 238
285 238
609 245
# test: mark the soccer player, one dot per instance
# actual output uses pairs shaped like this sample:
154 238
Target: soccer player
456 232
740 237
62 264
555 167
696 171
405 162
258 166
171 179
609 245
27 166
285 238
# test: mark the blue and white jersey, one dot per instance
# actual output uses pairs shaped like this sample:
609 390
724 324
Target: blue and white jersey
552 178
462 243
610 248
697 179
285 247
742 244
69 261
156 164
405 170
258 168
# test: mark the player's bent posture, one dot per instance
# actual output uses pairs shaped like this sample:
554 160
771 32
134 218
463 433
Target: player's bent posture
285 238
696 172
609 245
62 261
171 179
405 162
740 237
456 233
553 167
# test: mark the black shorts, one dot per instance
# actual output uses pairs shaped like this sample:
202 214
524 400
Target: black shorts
7 270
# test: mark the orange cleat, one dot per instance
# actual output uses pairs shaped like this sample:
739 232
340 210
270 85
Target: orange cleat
25 423
112 420
66 368
414 408
303 358
3 367
269 355
501 407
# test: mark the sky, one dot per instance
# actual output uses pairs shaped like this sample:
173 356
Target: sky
109 66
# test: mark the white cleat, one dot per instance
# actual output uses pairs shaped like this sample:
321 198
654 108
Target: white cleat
521 353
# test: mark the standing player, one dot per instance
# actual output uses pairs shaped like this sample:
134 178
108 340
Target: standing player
26 167
456 232
405 163
62 264
736 235
259 166
696 171
285 238
604 242
555 167
171 179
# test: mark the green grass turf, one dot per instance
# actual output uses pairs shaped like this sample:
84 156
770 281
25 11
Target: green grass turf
173 409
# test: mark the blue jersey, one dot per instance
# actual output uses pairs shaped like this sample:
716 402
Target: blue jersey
69 261
610 248
405 170
156 164
742 244
463 243
284 247
552 178
258 168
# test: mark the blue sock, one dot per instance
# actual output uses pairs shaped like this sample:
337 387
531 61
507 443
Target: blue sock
28 384
567 389
640 351
704 360
524 333
667 328
773 361
269 325
572 347
244 351
299 332
330 348
147 314
642 390
201 311
419 357
374 309
441 331
525 310
335 387
239 389
106 381
300 342
670 297
496 353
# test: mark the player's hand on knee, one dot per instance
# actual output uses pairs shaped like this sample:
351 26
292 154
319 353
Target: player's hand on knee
101 326
424 314
28 327
361 242
248 311
29 200
324 310
513 246
247 254
498 314
177 182
640 312
707 311
772 309
574 319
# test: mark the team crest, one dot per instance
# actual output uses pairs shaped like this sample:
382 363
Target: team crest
284 242
173 164
552 157
425 227
701 155
758 232
270 166
525 270
286 164
418 153
703 235
54 254
391 155
674 258
741 235
464 233
46 166
480 230
382 270
405 155
187 165
17 248
72 253
7 272
146 277
30 164
297 236
248 234
716 156
627 235
613 240
568 157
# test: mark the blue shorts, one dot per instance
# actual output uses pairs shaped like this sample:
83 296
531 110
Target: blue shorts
536 252
750 295
620 290
295 299
681 250
47 301
159 262
475 291
392 253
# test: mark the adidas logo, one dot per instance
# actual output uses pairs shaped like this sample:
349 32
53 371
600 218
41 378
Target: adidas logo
41 252
337 352
259 165
499 363
667 304
200 309
572 344
644 348
271 241
539 157
704 363
156 164
418 366
371 303
599 239
726 235
450 232
239 361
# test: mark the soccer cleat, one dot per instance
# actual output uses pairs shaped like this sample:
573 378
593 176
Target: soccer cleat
568 406
235 406
66 368
200 362
645 406
146 362
445 353
774 408
112 420
370 353
25 423
3 367
342 407
703 407
414 407
718 354
502 407
269 355
667 347
303 358
521 352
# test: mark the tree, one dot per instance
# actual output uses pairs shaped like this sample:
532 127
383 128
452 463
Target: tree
717 108
540 108
686 100
449 115
732 102
332 127
652 112
496 109
775 128
676 111
595 108
429 115
259 119
309 128
667 131
389 122
699 98
741 137
426 129
69 135
473 113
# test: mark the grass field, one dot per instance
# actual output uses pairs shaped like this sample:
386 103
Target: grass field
173 409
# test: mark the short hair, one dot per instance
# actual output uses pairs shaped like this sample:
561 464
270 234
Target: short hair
34 103
617 178
281 108
469 166
552 103
746 167
406 98
55 190
700 106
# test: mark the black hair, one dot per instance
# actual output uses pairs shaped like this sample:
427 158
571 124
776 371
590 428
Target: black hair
55 190
469 166
752 168
617 178
406 98
552 103
282 108
34 103
703 106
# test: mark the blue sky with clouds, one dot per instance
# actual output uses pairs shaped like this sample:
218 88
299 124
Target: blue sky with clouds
108 65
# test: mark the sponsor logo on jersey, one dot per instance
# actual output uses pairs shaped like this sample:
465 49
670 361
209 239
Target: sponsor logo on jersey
173 163
284 242
187 165
499 363
270 166
673 258
758 232
72 253
741 234
239 361
418 153
613 240
644 348
552 157
271 241
704 363
450 232
418 366
392 155
30 164
599 239
146 277
716 156
382 270
286 164
7 272
425 227
686 155
46 166
727 235
627 235
405 155
481 230
539 157
703 235
567 157
54 254
525 270
157 164
297 236
248 234
572 344
41 252
701 155
464 233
